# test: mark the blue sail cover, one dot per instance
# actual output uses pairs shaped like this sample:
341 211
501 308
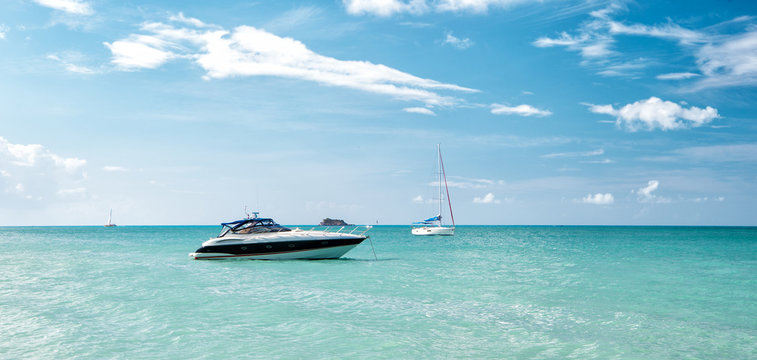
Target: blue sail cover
429 221
435 218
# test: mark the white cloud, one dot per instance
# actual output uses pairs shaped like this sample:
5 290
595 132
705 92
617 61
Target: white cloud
385 7
645 194
461 44
730 62
487 199
598 199
189 21
248 51
655 113
575 154
419 7
465 183
115 168
676 76
419 110
476 6
3 31
522 110
669 31
418 199
31 171
76 7
70 66
723 59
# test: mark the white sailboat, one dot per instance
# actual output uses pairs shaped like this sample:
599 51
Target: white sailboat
110 218
433 225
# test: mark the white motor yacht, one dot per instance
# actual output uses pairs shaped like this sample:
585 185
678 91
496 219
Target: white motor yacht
263 238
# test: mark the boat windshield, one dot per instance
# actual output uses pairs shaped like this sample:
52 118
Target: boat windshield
252 226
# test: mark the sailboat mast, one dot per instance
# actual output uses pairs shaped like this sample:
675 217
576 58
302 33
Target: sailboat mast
439 153
449 201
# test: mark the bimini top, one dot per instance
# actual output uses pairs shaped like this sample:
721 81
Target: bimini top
252 226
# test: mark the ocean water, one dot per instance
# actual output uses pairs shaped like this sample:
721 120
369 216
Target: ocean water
486 293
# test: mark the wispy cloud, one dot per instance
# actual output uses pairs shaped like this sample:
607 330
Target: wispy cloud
466 183
676 76
575 154
419 7
486 199
645 194
68 61
3 31
419 110
248 51
720 153
75 7
598 199
115 168
730 62
522 110
723 59
654 113
461 44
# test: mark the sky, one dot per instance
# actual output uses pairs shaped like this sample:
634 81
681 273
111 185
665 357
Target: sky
549 112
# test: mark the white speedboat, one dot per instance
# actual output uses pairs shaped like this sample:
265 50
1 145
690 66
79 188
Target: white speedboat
264 239
433 225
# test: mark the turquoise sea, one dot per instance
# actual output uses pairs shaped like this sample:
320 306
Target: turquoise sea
487 293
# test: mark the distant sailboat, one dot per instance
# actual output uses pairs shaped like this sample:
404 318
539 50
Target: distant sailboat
110 218
433 225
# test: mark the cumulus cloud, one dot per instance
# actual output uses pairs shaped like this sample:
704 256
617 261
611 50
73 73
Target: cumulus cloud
598 199
75 7
522 110
645 195
418 199
3 31
33 172
486 199
248 51
419 7
654 113
461 44
419 110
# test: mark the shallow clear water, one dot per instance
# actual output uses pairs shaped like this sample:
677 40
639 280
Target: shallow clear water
487 292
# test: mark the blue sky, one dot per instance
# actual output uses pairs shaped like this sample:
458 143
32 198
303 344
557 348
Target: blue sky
548 112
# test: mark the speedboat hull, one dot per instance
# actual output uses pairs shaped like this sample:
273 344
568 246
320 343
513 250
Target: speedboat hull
433 230
332 248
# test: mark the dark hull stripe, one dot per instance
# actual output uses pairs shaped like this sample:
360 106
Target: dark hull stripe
273 248
267 253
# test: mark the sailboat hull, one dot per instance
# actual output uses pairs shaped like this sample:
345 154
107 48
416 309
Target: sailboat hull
433 230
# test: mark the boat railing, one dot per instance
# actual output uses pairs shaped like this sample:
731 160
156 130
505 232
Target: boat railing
348 229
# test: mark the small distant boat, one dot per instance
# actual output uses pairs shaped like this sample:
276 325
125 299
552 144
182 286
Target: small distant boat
433 225
264 239
110 220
